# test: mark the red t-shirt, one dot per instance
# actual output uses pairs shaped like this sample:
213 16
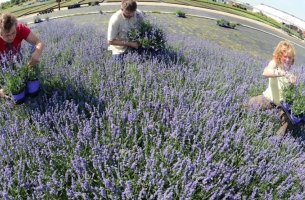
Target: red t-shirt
22 33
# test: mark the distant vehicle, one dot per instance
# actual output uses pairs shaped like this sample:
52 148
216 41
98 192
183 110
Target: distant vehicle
77 5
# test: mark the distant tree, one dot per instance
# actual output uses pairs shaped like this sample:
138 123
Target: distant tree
15 2
6 5
58 1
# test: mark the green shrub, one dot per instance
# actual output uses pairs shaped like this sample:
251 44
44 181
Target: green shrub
255 90
289 93
226 24
32 73
298 106
295 96
14 84
287 30
180 13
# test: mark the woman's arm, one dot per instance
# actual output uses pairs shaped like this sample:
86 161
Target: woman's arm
272 71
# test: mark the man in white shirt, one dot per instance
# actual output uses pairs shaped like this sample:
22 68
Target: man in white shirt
119 24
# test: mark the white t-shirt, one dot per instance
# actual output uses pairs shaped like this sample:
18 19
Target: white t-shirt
119 26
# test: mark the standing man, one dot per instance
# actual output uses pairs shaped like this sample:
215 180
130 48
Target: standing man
119 24
12 34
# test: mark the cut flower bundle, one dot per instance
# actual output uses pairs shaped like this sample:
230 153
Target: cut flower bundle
19 82
294 102
149 36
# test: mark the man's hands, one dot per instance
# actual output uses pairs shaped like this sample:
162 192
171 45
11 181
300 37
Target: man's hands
34 58
3 95
125 43
33 39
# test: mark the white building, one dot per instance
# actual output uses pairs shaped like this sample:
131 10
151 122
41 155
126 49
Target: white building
280 16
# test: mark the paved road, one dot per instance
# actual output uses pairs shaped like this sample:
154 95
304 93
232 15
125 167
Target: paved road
264 37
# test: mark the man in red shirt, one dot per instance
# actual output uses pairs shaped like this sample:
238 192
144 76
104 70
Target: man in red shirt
12 34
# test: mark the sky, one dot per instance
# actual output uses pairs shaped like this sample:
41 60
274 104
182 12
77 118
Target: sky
293 7
1 1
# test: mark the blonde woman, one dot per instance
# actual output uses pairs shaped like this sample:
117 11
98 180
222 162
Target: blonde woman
279 75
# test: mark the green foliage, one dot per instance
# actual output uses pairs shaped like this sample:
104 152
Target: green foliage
93 3
256 90
16 2
289 93
225 23
287 30
6 5
298 106
180 13
32 73
295 96
292 32
2 79
149 36
14 84
14 81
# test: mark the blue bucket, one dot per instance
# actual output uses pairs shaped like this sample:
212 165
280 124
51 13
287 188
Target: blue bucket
19 98
33 87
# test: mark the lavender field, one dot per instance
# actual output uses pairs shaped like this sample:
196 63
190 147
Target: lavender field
145 129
